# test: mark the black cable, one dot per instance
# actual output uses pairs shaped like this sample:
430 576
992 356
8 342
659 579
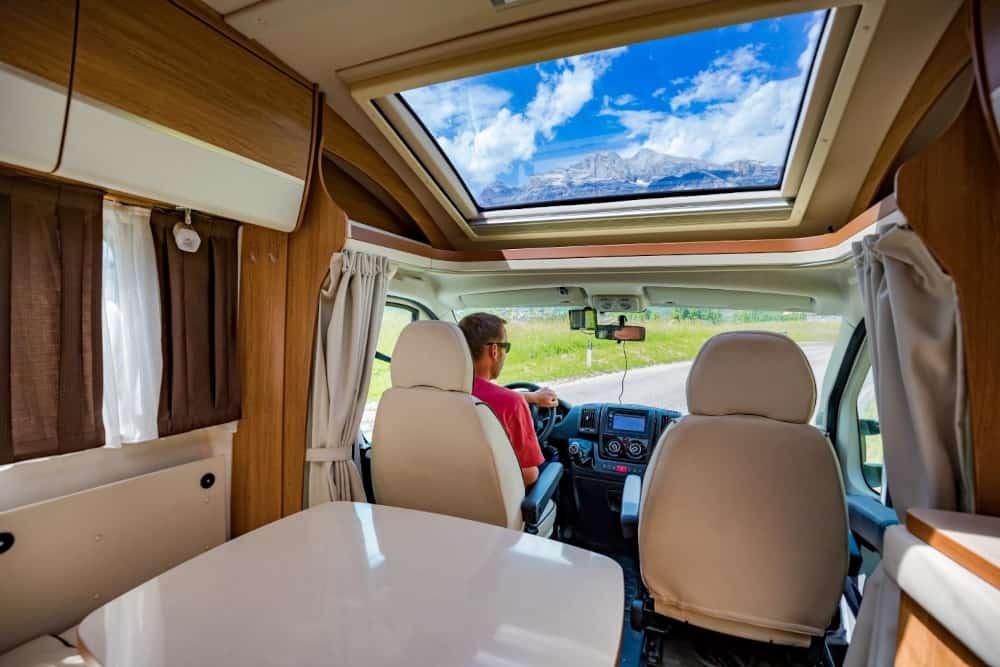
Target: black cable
622 392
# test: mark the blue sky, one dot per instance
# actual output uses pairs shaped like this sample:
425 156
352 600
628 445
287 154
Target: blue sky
720 95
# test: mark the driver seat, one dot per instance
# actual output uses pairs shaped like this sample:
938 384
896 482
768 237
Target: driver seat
438 448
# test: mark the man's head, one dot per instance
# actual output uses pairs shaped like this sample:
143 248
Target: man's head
487 339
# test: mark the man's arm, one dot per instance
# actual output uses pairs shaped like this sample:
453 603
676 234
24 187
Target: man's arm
530 476
543 398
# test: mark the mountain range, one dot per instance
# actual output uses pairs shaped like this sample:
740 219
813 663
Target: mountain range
606 173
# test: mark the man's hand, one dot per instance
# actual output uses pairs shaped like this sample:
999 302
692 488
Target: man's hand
543 398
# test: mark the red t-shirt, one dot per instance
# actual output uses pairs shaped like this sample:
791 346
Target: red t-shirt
512 410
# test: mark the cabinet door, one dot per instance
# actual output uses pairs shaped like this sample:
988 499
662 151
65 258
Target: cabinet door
36 55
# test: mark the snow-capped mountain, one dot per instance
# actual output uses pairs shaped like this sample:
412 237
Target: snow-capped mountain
607 173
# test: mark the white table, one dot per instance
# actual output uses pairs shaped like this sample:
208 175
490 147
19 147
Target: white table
364 585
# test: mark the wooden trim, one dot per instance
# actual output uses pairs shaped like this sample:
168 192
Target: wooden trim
980 62
950 195
315 141
343 141
948 59
923 642
752 246
944 539
257 456
323 232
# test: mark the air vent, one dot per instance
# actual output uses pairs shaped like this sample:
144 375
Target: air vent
588 419
665 421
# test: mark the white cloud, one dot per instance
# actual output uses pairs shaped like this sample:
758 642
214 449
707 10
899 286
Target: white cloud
659 92
452 103
729 77
744 27
624 100
747 115
484 137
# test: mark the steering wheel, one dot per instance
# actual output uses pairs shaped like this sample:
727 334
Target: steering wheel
543 419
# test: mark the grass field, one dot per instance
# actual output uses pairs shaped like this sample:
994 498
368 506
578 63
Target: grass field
546 350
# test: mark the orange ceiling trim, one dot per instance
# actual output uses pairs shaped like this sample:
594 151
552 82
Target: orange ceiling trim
751 246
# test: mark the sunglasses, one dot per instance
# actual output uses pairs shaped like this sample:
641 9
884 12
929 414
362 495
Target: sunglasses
505 345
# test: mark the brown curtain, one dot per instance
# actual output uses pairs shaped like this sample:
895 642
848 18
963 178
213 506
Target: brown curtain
50 305
198 292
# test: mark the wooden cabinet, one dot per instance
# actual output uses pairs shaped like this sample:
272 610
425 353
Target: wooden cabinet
154 60
36 57
154 101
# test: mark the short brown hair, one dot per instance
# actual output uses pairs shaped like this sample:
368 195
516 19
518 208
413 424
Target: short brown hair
481 329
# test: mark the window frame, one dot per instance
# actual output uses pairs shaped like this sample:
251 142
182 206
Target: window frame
834 65
843 426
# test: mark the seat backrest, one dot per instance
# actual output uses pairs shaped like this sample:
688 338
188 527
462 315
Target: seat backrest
436 447
743 525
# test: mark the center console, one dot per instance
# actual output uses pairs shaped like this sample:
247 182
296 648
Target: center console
606 442
618 439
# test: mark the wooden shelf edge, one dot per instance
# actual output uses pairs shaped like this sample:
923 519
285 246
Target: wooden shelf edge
922 527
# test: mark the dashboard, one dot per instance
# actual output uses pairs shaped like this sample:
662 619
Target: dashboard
601 444
612 440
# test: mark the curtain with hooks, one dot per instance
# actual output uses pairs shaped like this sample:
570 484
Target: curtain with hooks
351 304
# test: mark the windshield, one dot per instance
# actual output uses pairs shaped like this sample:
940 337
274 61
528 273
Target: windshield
545 351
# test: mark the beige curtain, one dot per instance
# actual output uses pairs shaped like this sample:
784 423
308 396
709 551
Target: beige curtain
350 316
911 314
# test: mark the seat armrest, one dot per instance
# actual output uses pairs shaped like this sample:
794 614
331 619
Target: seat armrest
868 519
630 505
533 505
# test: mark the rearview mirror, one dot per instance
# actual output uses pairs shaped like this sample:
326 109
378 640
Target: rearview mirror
631 333
623 333
583 318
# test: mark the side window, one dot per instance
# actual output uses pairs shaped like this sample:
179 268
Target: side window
394 318
870 434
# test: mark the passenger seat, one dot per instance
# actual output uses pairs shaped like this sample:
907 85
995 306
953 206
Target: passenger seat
742 520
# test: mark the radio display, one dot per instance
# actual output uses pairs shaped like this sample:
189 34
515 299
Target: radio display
625 422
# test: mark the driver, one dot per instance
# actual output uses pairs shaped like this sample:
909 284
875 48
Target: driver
487 338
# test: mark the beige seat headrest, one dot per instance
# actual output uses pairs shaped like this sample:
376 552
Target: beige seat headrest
752 373
432 354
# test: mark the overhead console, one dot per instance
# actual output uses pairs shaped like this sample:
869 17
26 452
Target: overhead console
162 105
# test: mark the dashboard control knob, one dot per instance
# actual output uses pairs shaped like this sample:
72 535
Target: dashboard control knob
614 448
574 448
636 449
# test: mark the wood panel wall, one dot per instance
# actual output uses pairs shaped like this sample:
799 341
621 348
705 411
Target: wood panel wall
257 455
923 642
154 60
343 141
950 194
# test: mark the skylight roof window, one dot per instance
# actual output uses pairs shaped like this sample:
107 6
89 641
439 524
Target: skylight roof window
706 112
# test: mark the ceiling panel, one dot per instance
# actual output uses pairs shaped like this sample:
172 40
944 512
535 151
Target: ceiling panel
322 36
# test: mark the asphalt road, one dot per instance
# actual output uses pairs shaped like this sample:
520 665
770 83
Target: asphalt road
661 386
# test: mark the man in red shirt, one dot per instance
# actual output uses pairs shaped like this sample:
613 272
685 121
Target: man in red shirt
487 338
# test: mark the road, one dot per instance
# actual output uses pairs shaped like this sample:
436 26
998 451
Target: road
661 386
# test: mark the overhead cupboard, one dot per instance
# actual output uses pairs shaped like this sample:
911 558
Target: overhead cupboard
144 97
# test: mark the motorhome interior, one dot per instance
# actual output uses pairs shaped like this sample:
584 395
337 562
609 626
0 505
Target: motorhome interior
499 332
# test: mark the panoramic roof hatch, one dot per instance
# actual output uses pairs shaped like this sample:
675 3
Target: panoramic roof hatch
638 207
